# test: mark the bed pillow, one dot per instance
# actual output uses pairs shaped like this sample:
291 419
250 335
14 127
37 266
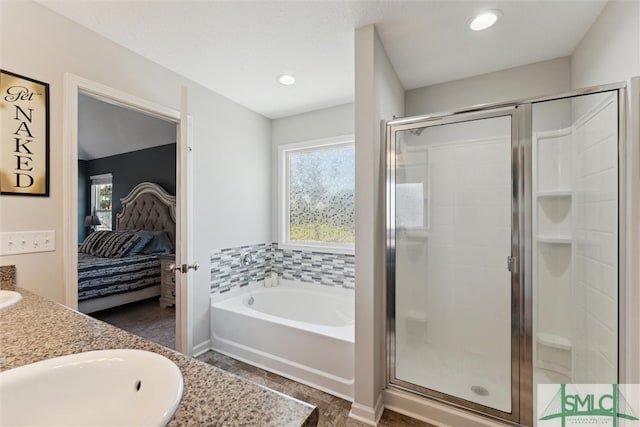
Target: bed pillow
144 237
117 244
160 244
109 244
92 241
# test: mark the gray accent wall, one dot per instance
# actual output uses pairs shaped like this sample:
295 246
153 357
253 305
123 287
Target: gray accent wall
157 164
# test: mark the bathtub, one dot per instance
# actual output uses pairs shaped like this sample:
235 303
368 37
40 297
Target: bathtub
300 331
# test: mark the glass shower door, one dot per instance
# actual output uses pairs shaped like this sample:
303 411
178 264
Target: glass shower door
452 224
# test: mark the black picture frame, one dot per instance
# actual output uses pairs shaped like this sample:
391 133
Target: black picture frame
25 138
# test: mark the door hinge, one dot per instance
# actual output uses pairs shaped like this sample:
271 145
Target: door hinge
511 264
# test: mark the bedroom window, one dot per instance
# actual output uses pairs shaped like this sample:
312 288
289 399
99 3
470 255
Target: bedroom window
316 195
101 199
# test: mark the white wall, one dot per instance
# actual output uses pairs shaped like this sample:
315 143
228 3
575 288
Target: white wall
610 51
231 178
379 96
541 78
325 123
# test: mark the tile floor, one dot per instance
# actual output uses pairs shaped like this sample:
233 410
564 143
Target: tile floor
334 412
146 319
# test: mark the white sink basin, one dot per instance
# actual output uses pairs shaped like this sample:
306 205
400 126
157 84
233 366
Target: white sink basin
96 388
8 298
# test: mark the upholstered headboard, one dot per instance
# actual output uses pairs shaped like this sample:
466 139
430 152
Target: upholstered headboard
148 207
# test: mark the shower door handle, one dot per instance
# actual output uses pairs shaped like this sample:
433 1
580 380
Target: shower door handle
511 264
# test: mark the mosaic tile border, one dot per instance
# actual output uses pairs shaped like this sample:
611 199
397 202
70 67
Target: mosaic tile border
329 269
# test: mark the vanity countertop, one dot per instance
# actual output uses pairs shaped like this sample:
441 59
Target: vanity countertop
36 329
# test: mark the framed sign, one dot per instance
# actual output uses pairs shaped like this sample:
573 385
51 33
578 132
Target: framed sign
24 139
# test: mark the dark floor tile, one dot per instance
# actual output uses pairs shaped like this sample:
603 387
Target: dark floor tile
350 422
333 411
392 419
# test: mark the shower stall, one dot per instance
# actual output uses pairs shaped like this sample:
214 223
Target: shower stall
504 243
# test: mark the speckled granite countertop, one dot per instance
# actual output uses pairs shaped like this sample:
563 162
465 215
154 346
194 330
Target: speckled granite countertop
36 329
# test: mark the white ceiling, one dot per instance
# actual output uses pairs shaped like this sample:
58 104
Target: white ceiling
238 48
105 129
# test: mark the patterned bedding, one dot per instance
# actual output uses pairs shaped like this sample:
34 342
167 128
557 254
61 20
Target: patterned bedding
100 277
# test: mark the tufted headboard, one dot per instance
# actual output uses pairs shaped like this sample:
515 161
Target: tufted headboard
148 207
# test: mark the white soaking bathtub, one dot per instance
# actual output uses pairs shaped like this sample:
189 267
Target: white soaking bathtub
300 331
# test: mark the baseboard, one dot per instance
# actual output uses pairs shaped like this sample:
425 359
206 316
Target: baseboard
201 348
367 414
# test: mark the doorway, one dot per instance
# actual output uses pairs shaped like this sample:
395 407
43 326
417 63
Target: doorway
118 150
176 205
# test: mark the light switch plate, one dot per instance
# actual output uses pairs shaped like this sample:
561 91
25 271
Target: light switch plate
26 242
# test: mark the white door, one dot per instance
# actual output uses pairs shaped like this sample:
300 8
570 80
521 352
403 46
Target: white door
184 253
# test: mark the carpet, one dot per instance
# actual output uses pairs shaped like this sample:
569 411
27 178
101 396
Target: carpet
145 319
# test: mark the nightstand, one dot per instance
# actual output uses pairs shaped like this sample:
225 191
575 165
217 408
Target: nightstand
167 282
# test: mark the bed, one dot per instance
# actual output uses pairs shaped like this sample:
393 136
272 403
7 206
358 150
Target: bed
116 268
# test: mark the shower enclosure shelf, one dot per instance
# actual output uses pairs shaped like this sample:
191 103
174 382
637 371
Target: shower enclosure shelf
555 239
554 193
552 254
553 218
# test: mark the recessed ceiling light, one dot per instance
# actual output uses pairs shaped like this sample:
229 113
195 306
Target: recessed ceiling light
286 79
485 20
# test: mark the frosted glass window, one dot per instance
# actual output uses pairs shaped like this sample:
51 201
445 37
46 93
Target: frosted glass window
319 206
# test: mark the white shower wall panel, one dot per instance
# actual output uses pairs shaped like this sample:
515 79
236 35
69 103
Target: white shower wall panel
471 215
453 293
595 285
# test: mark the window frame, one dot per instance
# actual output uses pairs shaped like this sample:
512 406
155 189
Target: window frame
95 180
283 195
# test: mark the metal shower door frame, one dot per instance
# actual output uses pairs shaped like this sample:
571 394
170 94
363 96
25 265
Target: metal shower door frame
521 283
517 186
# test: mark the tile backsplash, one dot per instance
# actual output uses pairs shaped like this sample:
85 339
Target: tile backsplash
228 270
314 267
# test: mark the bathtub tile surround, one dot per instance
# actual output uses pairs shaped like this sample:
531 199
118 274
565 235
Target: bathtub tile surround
228 270
37 329
314 267
8 277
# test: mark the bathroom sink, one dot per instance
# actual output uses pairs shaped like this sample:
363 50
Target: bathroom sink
97 388
8 298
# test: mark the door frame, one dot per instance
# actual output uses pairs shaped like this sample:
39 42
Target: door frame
73 86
